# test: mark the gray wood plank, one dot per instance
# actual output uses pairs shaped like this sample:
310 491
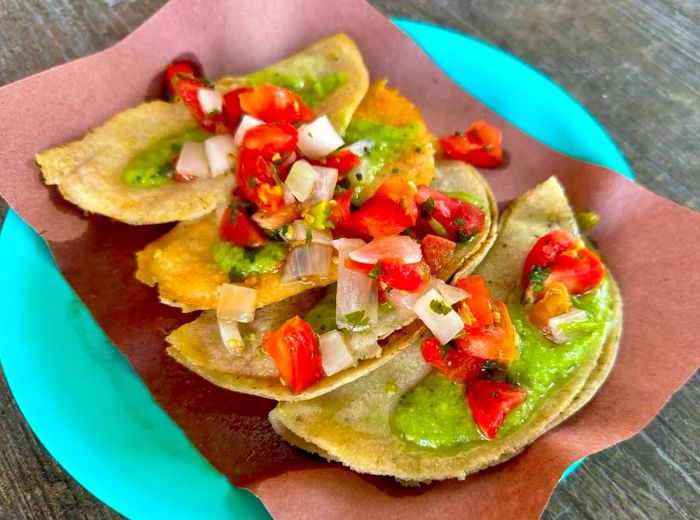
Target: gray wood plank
632 63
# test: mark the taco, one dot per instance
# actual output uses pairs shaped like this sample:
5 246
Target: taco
387 138
129 167
542 320
325 337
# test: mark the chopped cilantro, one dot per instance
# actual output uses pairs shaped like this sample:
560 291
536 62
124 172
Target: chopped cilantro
252 182
440 307
444 349
537 277
309 236
376 271
428 206
459 222
357 321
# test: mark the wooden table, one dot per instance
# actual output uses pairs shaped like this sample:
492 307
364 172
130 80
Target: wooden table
634 63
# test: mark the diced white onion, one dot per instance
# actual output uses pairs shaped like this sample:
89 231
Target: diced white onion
335 355
360 147
210 100
357 293
306 261
318 138
399 246
247 122
325 185
221 154
444 326
236 303
554 325
450 293
231 336
289 197
193 160
300 233
301 180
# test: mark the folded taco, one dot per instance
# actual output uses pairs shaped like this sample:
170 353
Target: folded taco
170 161
404 240
541 321
251 242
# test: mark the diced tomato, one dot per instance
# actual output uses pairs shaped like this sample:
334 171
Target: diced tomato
294 349
454 364
256 181
393 272
271 103
561 256
480 145
378 217
491 402
233 112
448 217
554 301
579 272
402 193
177 68
437 252
405 277
239 229
509 345
479 302
344 161
271 139
187 87
340 214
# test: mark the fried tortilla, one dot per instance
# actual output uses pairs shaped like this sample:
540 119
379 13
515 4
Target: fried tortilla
181 261
89 172
353 424
198 345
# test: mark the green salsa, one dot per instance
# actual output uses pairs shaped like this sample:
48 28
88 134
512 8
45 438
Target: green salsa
153 166
321 316
241 262
435 414
389 141
312 90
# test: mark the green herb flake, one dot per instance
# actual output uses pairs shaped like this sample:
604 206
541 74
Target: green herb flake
459 222
357 321
376 271
428 206
438 228
538 275
440 307
309 236
252 182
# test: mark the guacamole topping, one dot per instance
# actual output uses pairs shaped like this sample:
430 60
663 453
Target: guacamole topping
435 413
241 262
389 141
153 166
311 89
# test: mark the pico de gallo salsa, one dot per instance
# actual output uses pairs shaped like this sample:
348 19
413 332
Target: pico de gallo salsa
507 357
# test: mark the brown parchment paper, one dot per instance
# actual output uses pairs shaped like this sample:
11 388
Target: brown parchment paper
651 245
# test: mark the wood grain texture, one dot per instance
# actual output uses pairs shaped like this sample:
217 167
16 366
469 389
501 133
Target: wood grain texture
633 63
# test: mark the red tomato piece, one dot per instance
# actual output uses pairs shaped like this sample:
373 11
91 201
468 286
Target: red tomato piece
177 68
378 217
344 161
580 272
399 275
448 217
256 181
563 258
232 112
437 252
239 229
340 214
479 301
481 145
491 402
271 139
187 87
402 193
453 364
294 349
271 103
